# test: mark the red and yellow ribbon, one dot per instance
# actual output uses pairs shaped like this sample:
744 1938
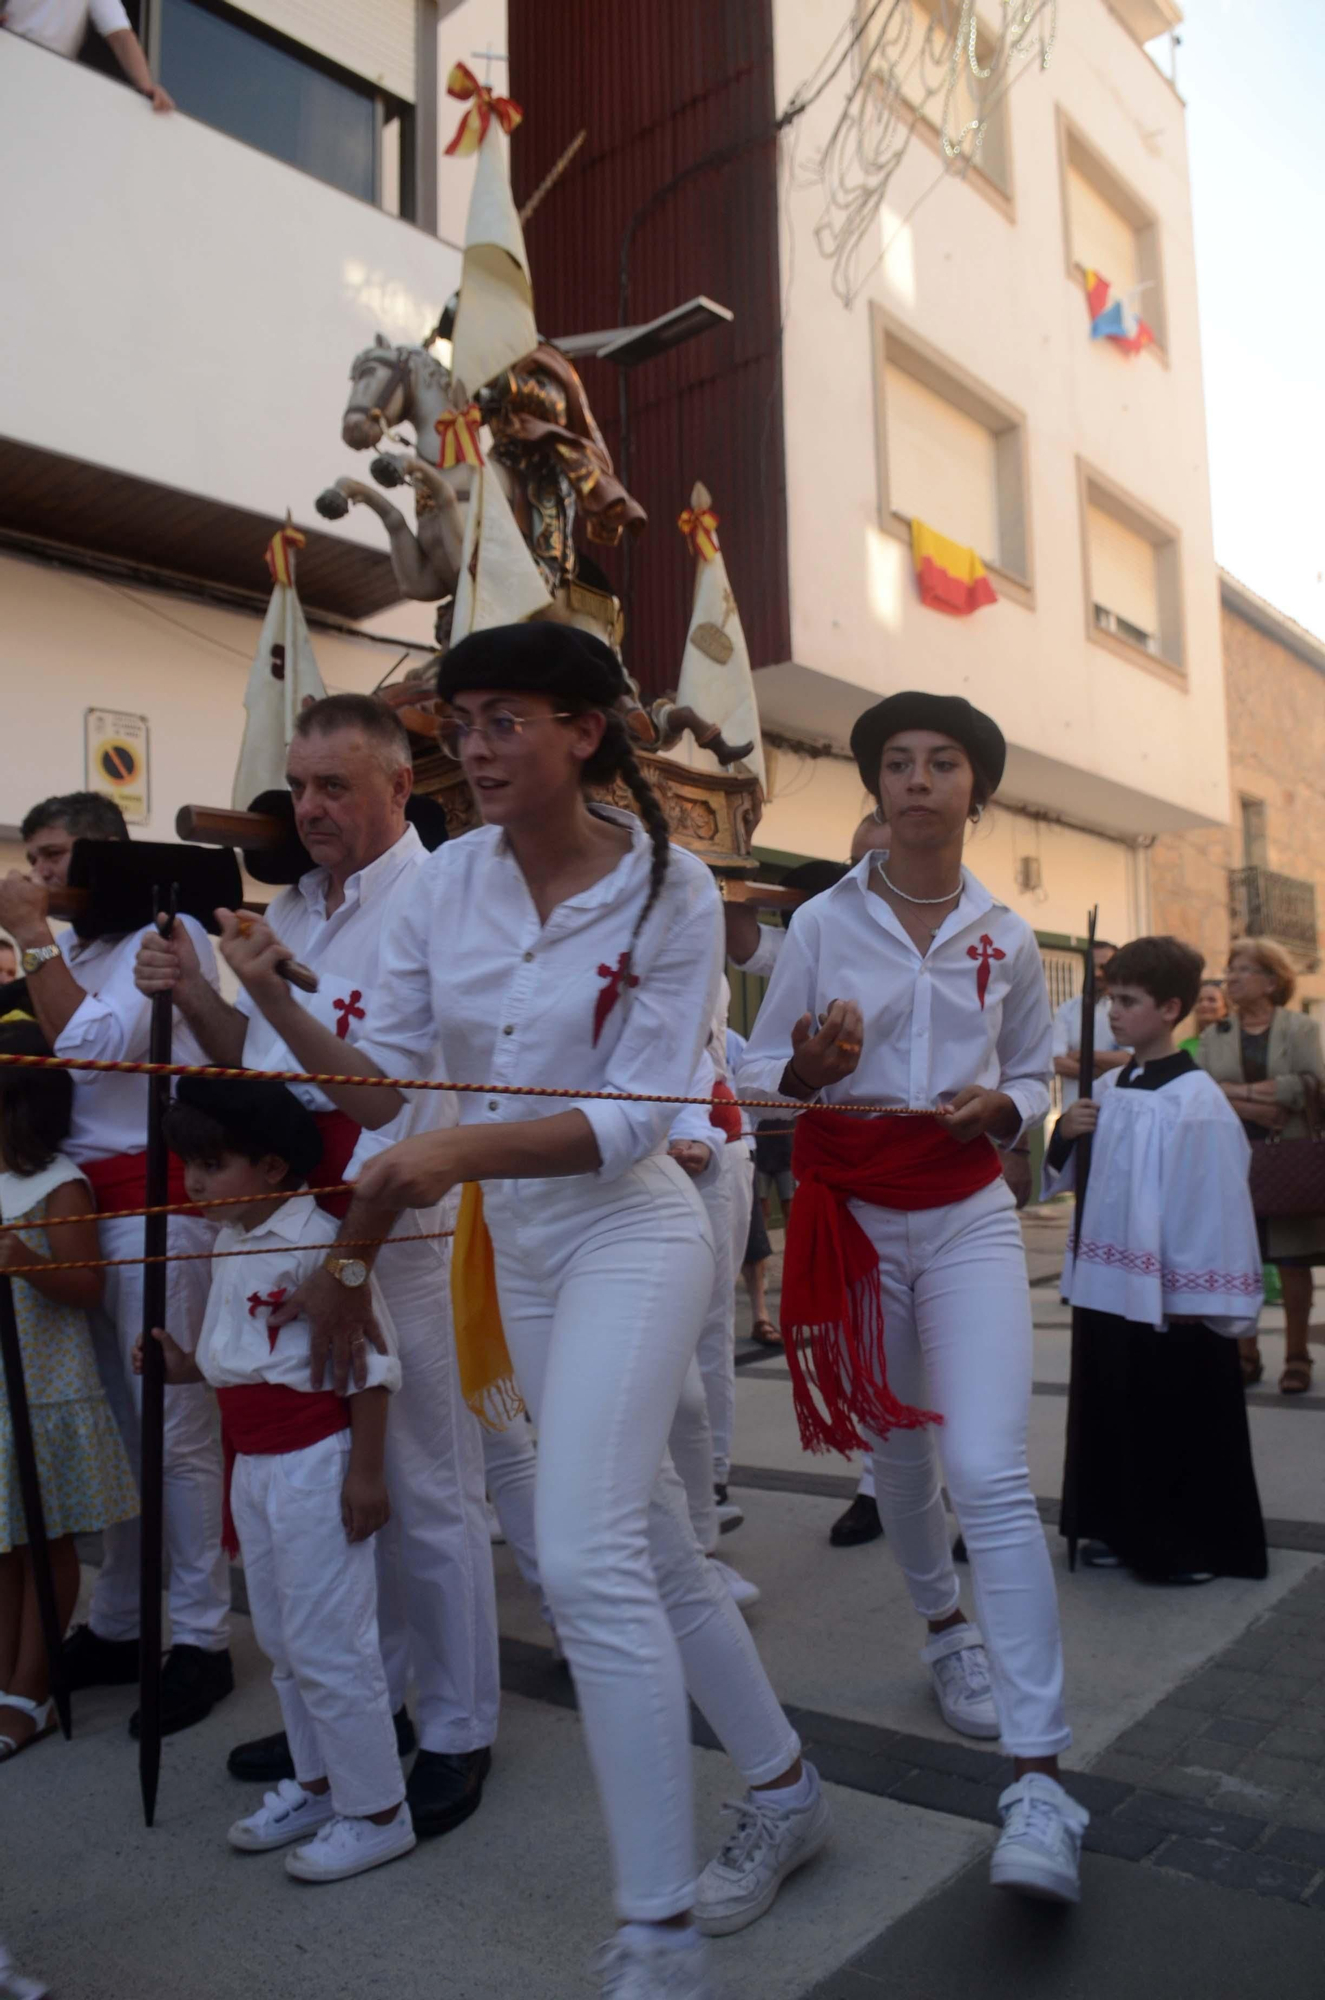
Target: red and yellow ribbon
458 431
484 107
699 525
280 553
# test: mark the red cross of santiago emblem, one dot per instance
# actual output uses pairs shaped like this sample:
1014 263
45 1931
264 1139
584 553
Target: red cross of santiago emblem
349 1010
984 954
616 977
256 1302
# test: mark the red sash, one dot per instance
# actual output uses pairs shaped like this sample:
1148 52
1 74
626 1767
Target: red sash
264 1419
340 1136
121 1181
726 1112
832 1300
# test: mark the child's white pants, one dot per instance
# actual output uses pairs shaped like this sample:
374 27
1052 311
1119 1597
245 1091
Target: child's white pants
957 1320
313 1600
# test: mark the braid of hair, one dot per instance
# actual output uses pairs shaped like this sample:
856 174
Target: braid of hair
655 821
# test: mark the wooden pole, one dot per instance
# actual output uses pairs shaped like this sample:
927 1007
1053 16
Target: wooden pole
29 1486
155 1235
1068 1517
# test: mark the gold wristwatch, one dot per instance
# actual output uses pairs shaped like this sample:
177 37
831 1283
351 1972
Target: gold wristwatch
348 1271
37 955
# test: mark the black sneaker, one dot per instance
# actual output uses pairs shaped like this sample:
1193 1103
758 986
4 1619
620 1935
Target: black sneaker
90 1661
729 1514
267 1759
858 1525
443 1790
192 1682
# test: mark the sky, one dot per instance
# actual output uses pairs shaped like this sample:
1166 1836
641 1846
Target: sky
1253 76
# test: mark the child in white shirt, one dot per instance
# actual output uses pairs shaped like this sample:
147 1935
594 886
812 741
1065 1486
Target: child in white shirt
308 1490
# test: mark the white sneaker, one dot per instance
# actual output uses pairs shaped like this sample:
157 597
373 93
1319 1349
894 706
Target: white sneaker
630 1969
289 1813
729 1515
959 1666
351 1846
769 1843
743 1592
1039 1850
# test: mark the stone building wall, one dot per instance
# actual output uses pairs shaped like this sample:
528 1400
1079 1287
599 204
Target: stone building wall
1276 734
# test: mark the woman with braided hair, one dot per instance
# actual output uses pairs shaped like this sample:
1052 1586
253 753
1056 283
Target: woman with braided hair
565 945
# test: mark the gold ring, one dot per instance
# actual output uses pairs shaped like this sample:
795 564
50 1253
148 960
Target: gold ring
848 1048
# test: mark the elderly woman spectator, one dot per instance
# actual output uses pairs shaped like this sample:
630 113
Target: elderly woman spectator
1260 1056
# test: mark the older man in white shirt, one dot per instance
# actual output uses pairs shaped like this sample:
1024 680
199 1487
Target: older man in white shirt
349 771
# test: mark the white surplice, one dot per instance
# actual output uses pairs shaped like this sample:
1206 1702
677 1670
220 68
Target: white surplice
1168 1227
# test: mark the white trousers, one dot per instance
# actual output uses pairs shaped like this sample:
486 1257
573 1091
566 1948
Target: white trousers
198 1578
690 1444
603 1286
438 1604
510 1464
313 1600
957 1319
728 1202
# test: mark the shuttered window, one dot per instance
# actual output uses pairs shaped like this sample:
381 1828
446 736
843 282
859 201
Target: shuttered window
372 38
1102 239
942 464
1123 579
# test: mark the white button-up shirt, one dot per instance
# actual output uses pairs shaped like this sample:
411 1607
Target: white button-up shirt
974 1009
345 950
237 1346
1067 1039
114 1024
467 968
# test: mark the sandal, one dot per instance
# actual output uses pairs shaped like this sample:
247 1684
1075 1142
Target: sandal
765 1334
1296 1378
1252 1369
43 1723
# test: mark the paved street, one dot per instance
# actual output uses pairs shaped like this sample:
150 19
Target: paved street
1200 1724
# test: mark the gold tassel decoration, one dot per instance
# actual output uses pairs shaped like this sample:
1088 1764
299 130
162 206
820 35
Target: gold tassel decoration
487 1379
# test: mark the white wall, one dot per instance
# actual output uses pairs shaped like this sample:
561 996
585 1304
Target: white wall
68 643
995 297
182 307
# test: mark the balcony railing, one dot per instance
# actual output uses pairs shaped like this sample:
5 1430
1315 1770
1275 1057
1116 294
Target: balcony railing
1263 904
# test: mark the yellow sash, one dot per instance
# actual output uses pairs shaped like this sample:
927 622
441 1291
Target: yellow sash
487 1379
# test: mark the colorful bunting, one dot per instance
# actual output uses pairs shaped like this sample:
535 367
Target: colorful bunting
1116 319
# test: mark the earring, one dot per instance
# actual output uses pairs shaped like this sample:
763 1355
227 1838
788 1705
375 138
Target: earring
977 814
878 817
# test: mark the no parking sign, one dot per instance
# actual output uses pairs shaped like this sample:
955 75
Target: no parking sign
116 760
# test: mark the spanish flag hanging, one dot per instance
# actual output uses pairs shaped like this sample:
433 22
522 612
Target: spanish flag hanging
951 578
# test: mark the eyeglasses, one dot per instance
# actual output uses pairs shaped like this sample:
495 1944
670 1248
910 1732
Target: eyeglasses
501 731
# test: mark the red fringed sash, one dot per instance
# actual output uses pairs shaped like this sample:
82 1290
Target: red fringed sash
259 1419
832 1300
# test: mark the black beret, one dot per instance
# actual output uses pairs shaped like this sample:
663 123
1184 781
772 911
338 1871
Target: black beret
255 1114
538 658
946 714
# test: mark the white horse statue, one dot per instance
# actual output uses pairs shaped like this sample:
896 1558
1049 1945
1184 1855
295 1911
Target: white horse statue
393 385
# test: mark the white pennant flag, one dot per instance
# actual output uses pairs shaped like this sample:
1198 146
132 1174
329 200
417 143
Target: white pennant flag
283 678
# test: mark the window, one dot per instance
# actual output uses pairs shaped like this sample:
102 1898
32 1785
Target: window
1109 230
909 42
1255 846
950 454
232 73
1133 580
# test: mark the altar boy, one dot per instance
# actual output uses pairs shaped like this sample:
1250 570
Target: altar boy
1163 1274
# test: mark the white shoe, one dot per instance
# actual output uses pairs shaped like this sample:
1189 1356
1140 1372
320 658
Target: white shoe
769 1843
289 1813
743 1592
959 1665
351 1846
1039 1850
630 1969
13 1986
729 1515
